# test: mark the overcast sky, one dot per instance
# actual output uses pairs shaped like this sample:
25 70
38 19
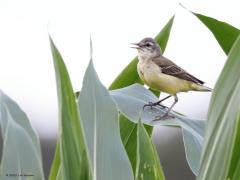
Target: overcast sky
26 67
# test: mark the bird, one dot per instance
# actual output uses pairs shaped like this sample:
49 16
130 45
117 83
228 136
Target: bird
162 74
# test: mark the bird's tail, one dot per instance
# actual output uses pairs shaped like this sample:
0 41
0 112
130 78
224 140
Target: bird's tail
198 87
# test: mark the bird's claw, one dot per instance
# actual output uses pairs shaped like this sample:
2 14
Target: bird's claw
151 104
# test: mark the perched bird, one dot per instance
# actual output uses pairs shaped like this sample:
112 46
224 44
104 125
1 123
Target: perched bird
160 73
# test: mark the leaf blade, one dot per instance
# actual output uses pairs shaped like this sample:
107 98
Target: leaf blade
56 163
224 33
21 146
223 123
101 124
130 101
72 140
148 164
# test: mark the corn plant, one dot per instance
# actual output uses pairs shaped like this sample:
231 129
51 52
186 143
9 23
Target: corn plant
104 134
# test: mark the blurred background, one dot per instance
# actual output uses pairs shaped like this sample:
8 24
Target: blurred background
26 67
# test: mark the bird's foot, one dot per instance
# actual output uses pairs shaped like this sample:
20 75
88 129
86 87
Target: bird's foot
164 117
151 105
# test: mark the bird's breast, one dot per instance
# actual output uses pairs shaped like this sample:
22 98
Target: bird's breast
146 69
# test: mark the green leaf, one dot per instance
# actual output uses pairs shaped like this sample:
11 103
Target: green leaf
55 172
225 33
99 115
128 131
73 152
21 147
127 77
130 101
130 76
55 168
221 151
148 164
234 172
193 147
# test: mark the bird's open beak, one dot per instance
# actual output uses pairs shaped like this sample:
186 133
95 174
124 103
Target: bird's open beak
136 46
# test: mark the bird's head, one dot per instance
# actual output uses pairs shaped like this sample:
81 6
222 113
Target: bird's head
147 48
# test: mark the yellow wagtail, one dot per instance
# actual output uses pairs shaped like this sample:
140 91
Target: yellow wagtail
160 73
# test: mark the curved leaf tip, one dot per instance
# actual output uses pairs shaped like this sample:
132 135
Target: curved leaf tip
99 117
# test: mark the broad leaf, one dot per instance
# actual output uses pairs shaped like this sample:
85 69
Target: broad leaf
73 151
130 76
225 33
130 101
221 152
99 115
21 156
148 165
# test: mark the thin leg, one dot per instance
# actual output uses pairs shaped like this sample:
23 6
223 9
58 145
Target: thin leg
156 103
166 114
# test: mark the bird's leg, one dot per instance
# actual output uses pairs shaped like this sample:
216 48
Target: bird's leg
166 115
151 104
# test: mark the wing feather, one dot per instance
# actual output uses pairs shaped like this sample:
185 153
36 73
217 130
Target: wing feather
170 68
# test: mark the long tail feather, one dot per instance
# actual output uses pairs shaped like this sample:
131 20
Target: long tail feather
198 87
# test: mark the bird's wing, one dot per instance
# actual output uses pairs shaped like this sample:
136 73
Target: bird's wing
169 68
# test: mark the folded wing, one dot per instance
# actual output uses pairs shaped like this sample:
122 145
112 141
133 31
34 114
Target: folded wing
170 68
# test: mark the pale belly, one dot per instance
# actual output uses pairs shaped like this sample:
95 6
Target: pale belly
152 76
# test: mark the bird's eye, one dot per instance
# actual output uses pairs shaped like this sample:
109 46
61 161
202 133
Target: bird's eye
148 45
